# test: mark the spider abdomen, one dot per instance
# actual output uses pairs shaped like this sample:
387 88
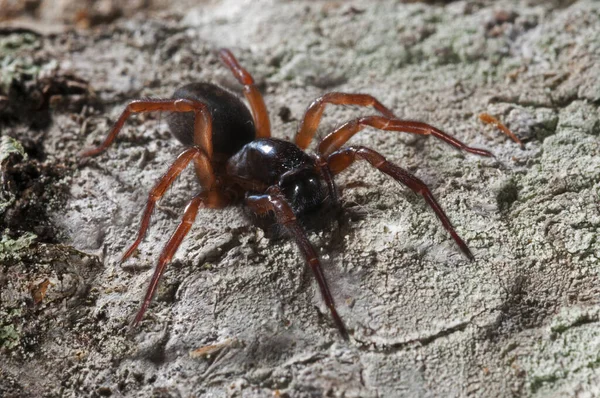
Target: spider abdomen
232 128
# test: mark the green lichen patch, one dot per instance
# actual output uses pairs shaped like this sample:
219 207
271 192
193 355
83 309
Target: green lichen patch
10 146
13 43
10 248
9 337
14 69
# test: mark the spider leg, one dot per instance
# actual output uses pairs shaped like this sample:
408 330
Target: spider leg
341 159
251 92
333 141
276 203
204 171
312 116
210 199
202 121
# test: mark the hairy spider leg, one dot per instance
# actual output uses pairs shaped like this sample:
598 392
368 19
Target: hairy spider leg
333 141
204 171
275 202
314 112
205 199
341 159
202 121
251 92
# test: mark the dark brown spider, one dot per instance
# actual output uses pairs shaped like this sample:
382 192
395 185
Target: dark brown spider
235 157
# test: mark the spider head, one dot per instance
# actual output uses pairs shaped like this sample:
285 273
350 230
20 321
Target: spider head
304 189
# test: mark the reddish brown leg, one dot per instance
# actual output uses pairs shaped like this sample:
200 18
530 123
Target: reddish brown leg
254 97
210 199
313 114
276 203
202 121
207 181
340 160
336 139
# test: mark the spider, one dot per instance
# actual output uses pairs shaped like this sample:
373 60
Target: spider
236 160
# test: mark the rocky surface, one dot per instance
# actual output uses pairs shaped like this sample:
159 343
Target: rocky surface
520 320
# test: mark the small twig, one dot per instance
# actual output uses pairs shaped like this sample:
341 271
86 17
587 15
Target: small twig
489 119
212 349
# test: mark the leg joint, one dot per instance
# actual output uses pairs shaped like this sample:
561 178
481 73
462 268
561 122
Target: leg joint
187 105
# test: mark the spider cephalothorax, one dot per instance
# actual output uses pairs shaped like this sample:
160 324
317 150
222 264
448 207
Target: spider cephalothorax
237 161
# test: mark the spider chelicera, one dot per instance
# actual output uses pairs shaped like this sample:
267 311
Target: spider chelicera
236 160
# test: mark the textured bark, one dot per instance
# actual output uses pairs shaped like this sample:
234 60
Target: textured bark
522 319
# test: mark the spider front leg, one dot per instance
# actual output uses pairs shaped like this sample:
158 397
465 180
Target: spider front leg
208 199
312 116
333 141
202 121
251 92
275 202
341 159
204 172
